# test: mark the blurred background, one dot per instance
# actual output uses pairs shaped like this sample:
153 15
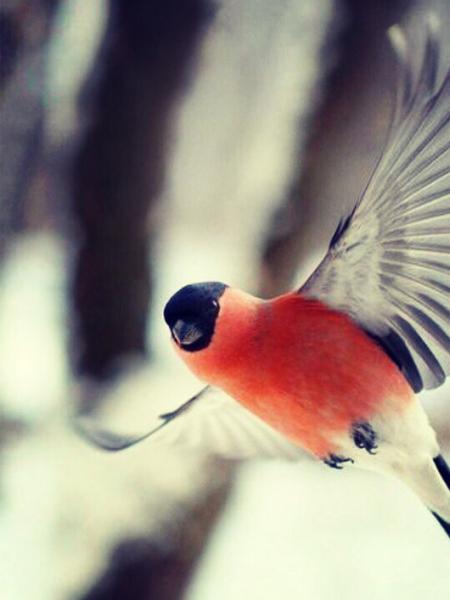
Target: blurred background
144 145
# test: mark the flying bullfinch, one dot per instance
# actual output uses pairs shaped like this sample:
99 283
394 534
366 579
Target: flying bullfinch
333 367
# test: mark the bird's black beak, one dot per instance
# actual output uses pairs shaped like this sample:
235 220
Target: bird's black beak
186 333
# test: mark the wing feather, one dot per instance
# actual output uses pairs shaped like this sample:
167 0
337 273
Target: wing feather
388 265
210 422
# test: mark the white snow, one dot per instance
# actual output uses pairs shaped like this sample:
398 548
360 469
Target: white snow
288 531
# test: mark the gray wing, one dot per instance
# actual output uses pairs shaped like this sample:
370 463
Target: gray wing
388 265
210 421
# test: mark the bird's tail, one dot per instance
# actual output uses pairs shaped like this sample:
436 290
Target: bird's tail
444 471
430 480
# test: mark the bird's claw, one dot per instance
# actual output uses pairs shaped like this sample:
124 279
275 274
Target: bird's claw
335 461
364 436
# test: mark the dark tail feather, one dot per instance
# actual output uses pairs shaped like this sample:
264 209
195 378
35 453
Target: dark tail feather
445 526
443 468
444 472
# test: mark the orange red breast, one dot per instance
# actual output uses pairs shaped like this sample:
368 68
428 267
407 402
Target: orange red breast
307 370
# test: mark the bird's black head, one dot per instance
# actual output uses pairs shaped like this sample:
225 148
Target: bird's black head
191 314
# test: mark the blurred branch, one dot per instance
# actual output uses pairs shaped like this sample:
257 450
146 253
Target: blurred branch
25 29
347 130
120 168
142 569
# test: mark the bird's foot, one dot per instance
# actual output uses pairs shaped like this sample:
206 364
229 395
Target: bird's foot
364 436
335 461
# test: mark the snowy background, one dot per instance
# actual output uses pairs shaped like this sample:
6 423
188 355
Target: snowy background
286 530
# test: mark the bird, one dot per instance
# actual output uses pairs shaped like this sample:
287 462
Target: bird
332 369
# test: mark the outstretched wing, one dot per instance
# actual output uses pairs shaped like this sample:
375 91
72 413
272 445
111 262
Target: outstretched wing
210 421
388 265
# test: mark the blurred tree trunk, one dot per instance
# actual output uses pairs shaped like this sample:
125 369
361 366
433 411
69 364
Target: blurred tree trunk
142 71
142 569
119 171
347 133
25 27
